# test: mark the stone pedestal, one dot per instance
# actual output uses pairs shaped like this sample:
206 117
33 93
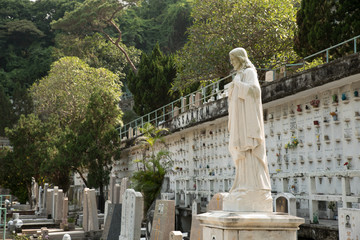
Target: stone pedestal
224 225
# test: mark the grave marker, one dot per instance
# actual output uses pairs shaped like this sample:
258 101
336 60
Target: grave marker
124 186
164 220
131 215
112 223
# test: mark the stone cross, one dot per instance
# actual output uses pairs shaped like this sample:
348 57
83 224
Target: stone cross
131 215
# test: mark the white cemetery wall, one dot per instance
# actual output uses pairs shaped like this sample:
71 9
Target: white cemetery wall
312 146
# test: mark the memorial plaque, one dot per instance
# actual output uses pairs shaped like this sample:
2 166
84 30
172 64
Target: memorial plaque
349 223
286 203
131 215
164 220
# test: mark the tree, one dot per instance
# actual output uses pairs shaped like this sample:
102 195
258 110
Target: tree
162 21
96 51
67 89
264 28
97 16
151 85
150 175
29 140
26 39
5 112
95 143
324 23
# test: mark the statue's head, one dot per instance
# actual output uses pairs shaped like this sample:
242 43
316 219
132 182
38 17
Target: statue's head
239 59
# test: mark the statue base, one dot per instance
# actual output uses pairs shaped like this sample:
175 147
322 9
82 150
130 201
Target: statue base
248 201
224 225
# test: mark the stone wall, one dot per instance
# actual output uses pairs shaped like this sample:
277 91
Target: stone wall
322 167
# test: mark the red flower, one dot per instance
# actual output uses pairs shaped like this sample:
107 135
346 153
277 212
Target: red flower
346 163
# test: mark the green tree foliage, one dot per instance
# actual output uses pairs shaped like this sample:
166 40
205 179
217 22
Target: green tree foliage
163 21
95 143
153 165
324 23
96 51
97 16
29 139
264 28
26 39
151 85
5 112
66 91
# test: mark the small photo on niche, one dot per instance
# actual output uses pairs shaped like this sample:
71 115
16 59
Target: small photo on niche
347 224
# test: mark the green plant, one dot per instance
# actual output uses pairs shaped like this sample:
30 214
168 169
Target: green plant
152 166
71 220
332 206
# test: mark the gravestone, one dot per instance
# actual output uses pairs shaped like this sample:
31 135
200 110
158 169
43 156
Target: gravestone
65 210
117 194
49 196
111 190
106 210
112 223
59 206
131 215
124 186
175 235
214 204
53 201
286 203
349 223
90 217
164 220
46 186
191 101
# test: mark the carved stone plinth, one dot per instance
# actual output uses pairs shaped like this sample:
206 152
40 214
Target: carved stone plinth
223 225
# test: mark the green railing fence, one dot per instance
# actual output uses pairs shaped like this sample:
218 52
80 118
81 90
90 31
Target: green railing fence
214 91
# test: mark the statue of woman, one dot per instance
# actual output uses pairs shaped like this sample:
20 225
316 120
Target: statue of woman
251 190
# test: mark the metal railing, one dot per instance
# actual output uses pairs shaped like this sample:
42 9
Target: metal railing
3 198
208 93
3 220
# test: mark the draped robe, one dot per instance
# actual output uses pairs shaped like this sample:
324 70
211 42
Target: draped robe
247 138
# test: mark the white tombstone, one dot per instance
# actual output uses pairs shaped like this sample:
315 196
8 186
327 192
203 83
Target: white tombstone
90 217
286 203
59 206
124 186
55 191
66 237
349 223
131 215
269 76
111 195
65 210
106 210
49 196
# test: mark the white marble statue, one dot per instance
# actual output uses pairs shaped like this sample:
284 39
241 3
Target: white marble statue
251 190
